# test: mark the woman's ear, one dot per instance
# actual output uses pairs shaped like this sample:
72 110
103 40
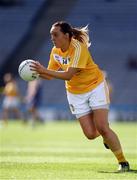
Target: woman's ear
67 35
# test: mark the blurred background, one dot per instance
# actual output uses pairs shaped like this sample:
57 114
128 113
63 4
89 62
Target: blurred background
24 34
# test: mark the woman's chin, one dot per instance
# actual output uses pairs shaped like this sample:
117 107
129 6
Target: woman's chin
56 46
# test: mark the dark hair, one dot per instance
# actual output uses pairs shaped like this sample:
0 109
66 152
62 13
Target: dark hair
81 34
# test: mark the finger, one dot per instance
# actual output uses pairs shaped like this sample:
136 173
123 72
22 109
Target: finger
34 62
33 66
37 62
33 69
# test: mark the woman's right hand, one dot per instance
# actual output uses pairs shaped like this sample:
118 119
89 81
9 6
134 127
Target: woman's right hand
40 69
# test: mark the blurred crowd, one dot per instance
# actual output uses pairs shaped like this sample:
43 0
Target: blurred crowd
13 101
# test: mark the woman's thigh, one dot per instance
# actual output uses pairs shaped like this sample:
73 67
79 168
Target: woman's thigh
88 126
101 120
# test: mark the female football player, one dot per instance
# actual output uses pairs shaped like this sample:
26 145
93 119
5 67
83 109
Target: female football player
11 100
86 87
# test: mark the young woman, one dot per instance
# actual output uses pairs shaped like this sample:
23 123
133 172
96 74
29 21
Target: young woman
86 88
11 100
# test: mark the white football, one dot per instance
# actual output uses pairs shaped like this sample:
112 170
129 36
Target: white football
25 71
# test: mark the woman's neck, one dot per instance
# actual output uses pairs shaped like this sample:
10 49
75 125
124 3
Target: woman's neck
65 47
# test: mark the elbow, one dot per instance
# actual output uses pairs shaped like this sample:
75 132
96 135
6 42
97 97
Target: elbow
50 78
70 73
68 78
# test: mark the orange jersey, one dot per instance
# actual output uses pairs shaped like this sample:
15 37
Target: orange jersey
77 56
10 89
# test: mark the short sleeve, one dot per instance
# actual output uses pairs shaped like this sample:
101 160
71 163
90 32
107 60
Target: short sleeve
80 56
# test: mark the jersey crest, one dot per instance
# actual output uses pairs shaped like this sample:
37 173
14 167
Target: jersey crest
61 60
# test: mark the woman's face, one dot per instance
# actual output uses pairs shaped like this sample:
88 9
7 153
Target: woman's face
58 38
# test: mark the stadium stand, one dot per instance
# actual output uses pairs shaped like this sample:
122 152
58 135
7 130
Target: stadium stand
15 22
113 35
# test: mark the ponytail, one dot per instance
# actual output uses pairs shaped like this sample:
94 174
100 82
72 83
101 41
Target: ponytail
81 34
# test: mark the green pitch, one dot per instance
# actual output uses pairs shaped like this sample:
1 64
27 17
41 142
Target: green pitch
59 151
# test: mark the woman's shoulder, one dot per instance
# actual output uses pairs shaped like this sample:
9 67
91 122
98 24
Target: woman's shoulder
76 43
